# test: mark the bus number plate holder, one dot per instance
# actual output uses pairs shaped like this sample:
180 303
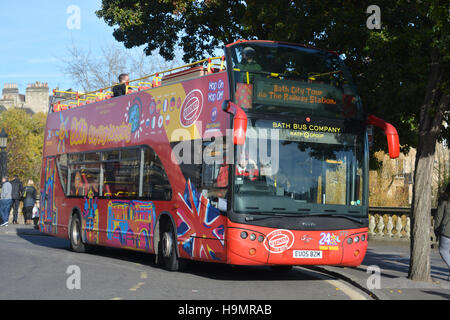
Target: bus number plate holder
307 254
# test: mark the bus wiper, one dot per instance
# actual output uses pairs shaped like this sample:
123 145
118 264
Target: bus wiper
268 216
360 221
274 215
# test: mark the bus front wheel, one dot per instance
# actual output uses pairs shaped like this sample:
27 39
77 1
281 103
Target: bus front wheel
76 243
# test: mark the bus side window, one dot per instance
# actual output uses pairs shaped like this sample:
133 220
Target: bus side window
61 164
215 174
122 178
214 169
78 183
156 185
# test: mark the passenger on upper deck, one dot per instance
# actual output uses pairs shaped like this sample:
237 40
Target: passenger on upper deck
121 89
248 63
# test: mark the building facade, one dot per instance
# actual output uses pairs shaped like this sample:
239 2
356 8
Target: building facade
392 184
35 99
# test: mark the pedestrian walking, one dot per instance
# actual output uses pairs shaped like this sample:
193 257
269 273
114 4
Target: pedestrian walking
36 214
16 194
6 201
442 226
29 198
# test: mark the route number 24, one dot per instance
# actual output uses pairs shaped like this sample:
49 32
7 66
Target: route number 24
328 239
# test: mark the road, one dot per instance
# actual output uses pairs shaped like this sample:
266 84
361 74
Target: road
36 266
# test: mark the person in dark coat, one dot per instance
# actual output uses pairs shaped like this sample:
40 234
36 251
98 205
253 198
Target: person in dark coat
16 194
121 88
442 226
29 198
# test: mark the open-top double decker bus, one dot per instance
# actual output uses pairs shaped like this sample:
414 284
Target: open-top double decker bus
259 158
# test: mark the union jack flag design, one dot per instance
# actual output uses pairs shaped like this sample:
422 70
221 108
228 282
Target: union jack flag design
200 227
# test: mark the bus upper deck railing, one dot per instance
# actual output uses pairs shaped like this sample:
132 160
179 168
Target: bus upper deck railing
64 100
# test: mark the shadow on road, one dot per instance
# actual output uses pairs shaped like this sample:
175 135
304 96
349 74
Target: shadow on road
40 239
394 265
248 273
441 294
209 270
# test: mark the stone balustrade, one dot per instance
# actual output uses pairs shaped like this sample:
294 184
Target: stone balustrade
393 223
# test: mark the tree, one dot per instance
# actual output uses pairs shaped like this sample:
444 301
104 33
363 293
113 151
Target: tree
92 72
25 142
401 70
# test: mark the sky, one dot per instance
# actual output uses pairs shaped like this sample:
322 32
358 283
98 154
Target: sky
35 36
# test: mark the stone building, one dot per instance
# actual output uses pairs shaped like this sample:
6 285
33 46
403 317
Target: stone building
11 97
392 184
35 99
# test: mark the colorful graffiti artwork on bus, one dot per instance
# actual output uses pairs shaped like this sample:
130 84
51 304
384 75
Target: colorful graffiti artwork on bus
62 133
90 218
133 116
48 211
200 227
131 224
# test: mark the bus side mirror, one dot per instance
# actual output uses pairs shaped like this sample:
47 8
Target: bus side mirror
391 135
239 121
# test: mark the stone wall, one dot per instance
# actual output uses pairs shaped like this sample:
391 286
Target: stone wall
394 224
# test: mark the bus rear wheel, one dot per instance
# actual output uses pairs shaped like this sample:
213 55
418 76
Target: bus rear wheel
76 243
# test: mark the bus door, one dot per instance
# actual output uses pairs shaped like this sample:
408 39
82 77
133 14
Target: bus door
48 210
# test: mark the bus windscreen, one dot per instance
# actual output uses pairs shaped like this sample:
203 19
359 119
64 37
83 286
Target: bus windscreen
282 78
298 169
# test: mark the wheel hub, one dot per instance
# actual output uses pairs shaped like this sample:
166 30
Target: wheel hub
167 243
76 233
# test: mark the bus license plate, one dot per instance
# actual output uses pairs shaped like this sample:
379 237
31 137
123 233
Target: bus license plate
307 254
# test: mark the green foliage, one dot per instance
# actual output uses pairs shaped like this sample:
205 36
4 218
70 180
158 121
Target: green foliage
25 143
390 66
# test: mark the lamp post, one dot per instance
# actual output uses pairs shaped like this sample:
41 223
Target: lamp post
4 155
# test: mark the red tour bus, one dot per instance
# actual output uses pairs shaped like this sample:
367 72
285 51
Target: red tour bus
257 159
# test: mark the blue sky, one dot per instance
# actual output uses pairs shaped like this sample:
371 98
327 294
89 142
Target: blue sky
34 36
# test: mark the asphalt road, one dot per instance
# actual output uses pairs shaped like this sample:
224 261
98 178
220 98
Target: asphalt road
43 267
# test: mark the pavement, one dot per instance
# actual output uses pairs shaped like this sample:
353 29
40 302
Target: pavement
383 274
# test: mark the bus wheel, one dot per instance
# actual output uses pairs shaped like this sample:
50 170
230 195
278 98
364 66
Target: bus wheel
76 244
168 250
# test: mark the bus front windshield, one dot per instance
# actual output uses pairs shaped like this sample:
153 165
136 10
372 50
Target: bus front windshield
272 77
300 169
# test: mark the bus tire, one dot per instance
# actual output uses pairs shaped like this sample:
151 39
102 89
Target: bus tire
168 250
76 242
